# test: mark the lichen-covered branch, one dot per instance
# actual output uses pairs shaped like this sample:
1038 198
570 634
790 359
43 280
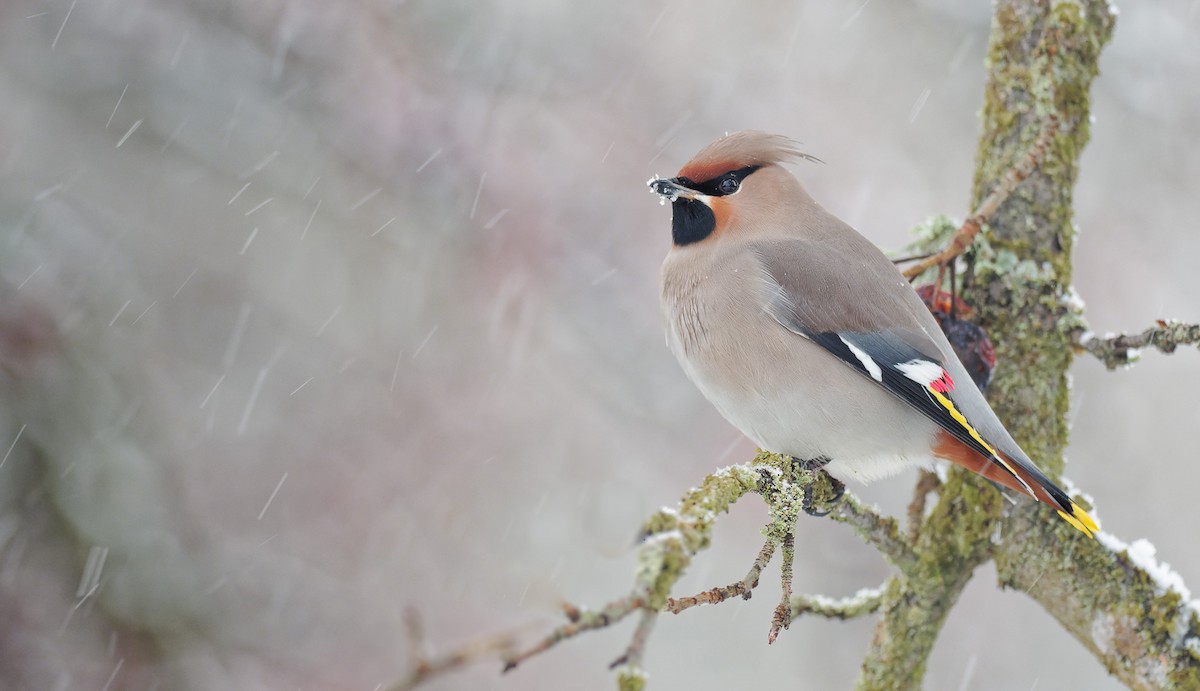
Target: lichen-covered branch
670 539
927 481
866 601
881 532
1042 58
1125 349
915 603
742 588
1143 632
782 618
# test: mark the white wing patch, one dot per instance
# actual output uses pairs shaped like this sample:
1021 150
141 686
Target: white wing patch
871 366
922 372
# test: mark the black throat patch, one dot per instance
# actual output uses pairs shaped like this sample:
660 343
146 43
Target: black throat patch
691 221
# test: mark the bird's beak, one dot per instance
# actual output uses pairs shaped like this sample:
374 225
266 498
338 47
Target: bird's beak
672 189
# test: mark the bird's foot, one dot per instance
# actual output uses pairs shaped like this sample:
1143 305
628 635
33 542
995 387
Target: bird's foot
826 500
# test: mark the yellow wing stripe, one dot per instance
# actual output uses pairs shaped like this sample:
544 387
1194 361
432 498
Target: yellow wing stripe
961 419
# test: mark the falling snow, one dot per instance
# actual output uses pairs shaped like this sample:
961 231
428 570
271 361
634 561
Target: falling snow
310 314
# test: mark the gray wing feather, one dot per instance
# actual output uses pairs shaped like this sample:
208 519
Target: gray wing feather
813 289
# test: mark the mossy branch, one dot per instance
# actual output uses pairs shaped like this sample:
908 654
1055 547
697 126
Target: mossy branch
1125 349
670 540
1141 630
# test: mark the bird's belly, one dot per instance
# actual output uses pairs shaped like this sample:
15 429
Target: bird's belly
791 397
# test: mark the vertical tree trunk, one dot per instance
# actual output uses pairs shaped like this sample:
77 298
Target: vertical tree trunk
1042 59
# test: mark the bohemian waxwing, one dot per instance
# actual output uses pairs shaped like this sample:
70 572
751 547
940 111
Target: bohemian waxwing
807 338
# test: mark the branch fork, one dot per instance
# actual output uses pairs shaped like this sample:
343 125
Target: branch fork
673 537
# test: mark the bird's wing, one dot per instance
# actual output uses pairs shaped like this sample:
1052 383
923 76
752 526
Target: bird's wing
879 336
889 337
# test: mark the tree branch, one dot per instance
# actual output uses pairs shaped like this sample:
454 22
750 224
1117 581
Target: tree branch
881 532
1145 633
866 601
962 239
671 538
743 588
1125 349
426 666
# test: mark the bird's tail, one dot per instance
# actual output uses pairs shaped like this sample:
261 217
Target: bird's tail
1018 475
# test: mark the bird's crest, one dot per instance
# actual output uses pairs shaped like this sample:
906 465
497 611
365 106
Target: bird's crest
741 150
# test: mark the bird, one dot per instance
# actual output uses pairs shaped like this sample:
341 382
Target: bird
805 336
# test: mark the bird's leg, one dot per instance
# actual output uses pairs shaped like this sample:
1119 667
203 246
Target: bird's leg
837 490
838 487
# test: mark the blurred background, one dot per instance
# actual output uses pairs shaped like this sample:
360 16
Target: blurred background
310 311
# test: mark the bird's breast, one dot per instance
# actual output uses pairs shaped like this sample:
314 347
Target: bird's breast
710 312
684 316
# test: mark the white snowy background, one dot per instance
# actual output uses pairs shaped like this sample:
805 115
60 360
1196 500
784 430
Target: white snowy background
310 311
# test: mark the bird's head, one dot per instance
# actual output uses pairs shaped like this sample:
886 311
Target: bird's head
727 182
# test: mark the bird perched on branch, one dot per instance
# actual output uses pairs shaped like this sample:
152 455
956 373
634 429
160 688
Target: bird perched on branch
806 337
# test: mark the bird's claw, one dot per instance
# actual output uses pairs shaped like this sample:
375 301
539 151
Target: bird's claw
809 503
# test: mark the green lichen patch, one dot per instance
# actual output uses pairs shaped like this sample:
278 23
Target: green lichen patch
631 679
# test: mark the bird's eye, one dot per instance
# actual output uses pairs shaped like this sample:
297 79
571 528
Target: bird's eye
729 185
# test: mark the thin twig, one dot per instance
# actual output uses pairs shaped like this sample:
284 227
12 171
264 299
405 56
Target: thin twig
1116 351
579 621
425 666
864 602
743 588
912 257
783 612
927 482
971 227
670 539
632 657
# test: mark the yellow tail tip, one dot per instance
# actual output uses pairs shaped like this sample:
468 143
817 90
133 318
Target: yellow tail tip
1080 520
